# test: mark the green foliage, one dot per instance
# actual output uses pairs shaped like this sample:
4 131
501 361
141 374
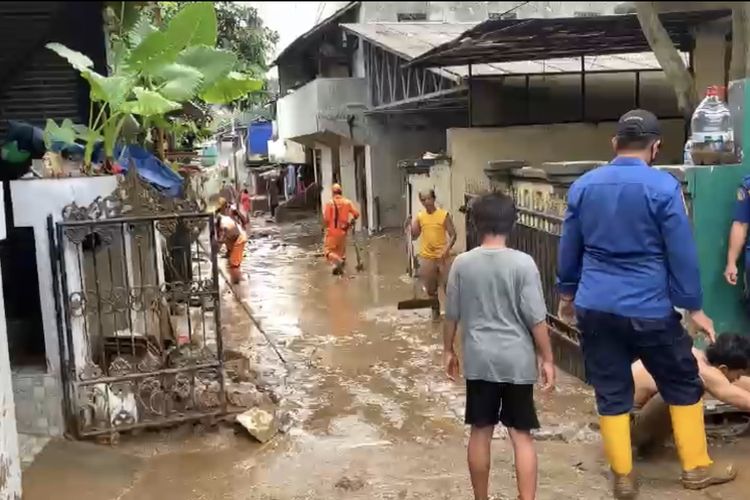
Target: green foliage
154 73
240 30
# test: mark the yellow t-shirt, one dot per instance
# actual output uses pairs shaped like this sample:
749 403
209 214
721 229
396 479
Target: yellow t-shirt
432 240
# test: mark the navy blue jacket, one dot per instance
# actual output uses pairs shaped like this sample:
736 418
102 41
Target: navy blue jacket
742 210
627 247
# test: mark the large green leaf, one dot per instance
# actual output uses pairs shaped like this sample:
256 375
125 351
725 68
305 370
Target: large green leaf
53 132
180 82
194 24
212 63
149 103
79 61
142 29
111 89
153 52
230 88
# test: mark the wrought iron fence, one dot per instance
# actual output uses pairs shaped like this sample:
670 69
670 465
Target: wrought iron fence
537 233
140 341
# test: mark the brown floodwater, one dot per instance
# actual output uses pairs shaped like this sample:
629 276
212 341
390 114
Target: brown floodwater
373 416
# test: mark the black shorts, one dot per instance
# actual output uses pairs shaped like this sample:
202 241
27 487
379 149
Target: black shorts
490 403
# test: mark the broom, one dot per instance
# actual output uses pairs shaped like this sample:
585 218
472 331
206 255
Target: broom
414 302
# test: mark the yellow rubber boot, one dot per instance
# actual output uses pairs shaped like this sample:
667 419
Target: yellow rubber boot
698 471
690 435
615 432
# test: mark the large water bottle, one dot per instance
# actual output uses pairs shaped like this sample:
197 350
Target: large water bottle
712 133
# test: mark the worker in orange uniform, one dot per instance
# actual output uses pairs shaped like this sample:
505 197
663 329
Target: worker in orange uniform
338 215
231 233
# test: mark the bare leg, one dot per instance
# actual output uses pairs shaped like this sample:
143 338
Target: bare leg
525 458
479 460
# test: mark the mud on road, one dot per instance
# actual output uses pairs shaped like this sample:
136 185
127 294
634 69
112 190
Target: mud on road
372 415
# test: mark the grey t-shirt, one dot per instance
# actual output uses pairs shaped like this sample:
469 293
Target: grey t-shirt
496 296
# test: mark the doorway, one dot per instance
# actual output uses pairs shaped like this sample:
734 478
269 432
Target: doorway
360 178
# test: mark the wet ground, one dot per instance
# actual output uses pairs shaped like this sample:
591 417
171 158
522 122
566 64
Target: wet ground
373 416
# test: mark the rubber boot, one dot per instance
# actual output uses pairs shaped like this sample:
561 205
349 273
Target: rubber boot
698 471
615 432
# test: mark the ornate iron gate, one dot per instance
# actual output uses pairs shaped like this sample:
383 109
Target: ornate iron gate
537 233
140 336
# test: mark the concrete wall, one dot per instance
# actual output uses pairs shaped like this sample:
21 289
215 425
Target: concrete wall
10 463
286 151
322 105
471 148
33 200
390 143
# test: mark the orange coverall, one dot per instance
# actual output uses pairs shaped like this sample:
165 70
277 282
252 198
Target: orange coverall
337 216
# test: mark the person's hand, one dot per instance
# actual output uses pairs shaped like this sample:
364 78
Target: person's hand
547 374
450 363
566 310
730 273
704 323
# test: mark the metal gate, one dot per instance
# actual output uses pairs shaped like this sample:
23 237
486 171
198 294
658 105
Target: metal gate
537 233
138 311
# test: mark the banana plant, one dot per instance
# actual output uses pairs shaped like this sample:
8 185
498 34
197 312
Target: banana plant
154 72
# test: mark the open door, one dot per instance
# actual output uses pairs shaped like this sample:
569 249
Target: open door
360 178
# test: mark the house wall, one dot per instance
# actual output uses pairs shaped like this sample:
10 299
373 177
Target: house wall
471 148
10 463
321 105
38 396
390 143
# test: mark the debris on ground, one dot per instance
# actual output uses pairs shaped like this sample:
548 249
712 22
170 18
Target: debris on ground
568 433
350 484
246 395
260 423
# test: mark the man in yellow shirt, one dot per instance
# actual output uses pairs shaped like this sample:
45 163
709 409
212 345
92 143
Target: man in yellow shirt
431 226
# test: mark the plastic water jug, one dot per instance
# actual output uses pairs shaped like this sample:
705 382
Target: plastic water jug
712 139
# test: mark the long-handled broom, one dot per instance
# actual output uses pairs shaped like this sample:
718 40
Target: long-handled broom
414 302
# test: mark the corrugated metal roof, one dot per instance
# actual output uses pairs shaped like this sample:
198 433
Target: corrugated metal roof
301 40
411 40
507 40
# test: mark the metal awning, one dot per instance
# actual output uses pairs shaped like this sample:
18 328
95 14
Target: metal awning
506 40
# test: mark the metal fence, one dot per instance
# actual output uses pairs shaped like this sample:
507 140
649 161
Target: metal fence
537 233
138 304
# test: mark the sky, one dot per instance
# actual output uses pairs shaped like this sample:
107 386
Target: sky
291 19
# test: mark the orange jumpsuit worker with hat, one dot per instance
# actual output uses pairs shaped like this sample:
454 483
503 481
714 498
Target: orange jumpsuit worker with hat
338 215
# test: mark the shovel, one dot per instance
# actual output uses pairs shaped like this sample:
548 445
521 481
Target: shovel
414 302
360 265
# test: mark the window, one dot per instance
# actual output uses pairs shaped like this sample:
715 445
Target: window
495 16
411 16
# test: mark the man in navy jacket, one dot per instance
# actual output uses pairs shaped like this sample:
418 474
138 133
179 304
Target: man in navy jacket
627 259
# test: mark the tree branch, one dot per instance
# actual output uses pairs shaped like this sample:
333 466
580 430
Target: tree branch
668 56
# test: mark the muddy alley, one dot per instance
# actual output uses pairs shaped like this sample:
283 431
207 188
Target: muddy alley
368 413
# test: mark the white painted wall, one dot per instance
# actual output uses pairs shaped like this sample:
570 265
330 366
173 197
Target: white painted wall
286 151
319 106
10 462
33 200
348 175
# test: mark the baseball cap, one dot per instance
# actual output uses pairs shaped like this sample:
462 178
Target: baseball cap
638 123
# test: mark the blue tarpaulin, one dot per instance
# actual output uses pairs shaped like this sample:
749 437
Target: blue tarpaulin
258 135
150 169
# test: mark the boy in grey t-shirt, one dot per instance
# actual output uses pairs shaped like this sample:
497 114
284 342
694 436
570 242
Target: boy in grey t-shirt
495 293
